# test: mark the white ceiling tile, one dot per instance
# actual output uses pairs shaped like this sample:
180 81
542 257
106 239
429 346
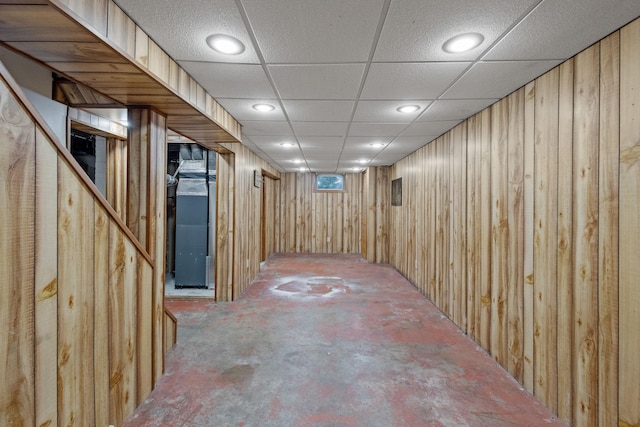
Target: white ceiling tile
319 82
411 143
262 128
242 109
560 29
363 145
497 79
411 81
320 128
429 129
311 31
321 141
376 129
182 31
415 30
231 80
386 111
454 109
319 111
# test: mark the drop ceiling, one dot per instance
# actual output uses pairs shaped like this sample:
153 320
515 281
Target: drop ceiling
337 70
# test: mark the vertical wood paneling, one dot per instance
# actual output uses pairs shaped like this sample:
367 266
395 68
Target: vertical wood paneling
629 315
224 217
75 301
529 182
545 239
485 226
500 251
515 234
122 323
121 30
17 166
473 229
565 240
46 283
145 330
117 175
320 222
608 229
551 212
101 336
585 247
74 366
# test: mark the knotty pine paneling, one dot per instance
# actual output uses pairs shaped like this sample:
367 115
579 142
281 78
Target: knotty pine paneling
17 169
248 234
528 212
76 346
629 226
376 195
319 222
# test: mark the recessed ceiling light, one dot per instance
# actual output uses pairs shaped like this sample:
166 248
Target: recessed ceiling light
408 108
363 161
286 144
297 160
225 44
264 108
302 169
377 144
463 42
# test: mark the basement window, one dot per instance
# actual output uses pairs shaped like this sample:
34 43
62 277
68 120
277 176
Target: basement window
329 182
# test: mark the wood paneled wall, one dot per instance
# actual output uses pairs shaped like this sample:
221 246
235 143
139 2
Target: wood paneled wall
75 336
320 222
245 209
521 224
376 204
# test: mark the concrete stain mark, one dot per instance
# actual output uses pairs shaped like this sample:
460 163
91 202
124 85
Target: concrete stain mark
237 374
311 287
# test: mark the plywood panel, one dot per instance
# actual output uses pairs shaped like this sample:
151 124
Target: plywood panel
46 282
17 167
629 375
75 300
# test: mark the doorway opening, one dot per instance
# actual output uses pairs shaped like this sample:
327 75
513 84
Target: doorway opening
191 221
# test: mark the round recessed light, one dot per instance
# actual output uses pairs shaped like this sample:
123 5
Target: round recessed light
297 160
225 44
264 108
363 161
408 108
463 42
286 144
377 144
303 169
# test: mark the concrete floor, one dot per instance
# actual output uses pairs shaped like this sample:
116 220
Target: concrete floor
330 340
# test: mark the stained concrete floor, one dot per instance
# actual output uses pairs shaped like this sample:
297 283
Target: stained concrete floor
330 340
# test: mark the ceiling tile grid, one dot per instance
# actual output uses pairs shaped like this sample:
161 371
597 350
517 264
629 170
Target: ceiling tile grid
337 71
